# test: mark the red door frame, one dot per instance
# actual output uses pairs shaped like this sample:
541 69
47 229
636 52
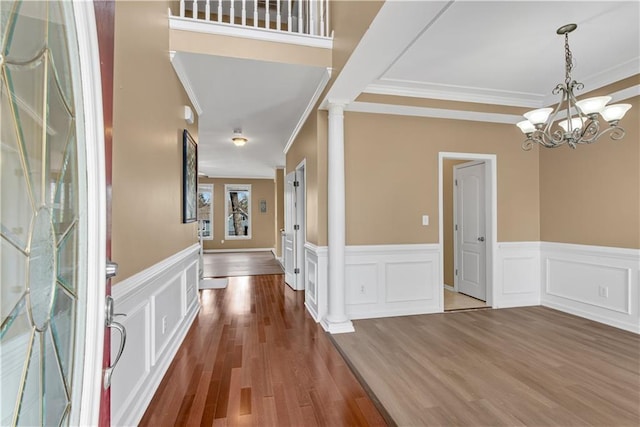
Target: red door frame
105 20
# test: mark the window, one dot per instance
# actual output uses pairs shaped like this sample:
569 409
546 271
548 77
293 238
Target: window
237 211
205 211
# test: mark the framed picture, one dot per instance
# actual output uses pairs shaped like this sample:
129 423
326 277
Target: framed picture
189 178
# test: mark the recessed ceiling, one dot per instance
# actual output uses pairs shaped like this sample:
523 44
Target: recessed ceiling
509 53
264 99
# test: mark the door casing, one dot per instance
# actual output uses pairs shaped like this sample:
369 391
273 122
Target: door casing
491 227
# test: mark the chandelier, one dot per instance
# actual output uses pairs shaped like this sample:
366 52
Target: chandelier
584 126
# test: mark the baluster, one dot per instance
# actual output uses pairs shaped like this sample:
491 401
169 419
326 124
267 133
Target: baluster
255 13
244 12
207 10
312 22
289 15
267 19
278 18
300 2
195 9
181 8
321 17
328 32
219 10
232 13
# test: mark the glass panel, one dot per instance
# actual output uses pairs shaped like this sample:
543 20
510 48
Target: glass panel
30 406
26 85
14 339
13 276
15 216
67 256
42 277
59 51
26 31
65 188
205 211
63 319
238 211
55 394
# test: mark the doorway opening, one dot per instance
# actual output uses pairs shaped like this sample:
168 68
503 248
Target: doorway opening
467 230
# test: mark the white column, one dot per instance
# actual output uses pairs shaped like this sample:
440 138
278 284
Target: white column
336 320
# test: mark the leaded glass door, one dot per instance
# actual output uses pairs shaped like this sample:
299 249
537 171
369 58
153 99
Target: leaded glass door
44 215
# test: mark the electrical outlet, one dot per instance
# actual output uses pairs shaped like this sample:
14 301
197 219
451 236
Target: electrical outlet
425 219
603 291
164 324
222 241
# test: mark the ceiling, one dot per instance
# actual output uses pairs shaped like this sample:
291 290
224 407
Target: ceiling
501 52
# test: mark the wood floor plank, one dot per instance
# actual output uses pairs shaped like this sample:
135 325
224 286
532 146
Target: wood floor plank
255 357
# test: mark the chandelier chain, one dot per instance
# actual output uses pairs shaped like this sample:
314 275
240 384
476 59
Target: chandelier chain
568 57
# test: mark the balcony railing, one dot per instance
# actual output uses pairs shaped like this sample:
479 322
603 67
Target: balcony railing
310 17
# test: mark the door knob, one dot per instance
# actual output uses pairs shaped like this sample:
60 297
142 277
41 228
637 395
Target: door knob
480 239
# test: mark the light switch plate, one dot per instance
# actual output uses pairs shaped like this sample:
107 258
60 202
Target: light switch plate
425 219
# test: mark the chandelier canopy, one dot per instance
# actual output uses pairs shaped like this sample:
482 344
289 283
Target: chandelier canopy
581 124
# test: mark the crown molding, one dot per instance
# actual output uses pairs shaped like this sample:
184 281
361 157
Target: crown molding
178 66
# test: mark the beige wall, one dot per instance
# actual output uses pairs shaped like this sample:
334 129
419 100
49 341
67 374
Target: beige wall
147 142
263 224
392 176
591 195
447 220
279 211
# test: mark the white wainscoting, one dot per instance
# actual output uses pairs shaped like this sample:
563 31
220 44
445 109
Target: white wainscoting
160 304
315 280
392 280
517 279
597 282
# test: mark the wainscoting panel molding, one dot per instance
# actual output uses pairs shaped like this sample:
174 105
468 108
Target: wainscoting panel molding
392 280
315 280
160 304
517 279
597 282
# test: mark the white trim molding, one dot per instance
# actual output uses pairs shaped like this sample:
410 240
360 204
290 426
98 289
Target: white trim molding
178 66
392 280
160 304
517 277
596 282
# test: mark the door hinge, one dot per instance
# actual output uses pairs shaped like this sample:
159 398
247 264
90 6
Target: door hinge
296 227
296 271
456 227
456 182
296 183
456 271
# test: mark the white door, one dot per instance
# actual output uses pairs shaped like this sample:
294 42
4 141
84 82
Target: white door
299 229
289 250
52 207
470 225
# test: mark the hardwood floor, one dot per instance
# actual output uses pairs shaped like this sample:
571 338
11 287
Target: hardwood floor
255 357
529 366
228 264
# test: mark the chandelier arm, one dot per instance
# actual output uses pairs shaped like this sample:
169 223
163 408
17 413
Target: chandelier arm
591 128
617 133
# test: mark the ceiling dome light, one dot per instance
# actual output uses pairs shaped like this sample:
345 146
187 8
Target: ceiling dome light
238 139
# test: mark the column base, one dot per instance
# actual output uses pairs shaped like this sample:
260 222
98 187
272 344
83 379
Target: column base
337 327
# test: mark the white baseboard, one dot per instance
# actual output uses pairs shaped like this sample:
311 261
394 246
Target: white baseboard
517 276
216 251
596 282
449 288
165 293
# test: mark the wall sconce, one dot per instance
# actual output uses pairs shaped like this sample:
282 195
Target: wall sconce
238 139
188 115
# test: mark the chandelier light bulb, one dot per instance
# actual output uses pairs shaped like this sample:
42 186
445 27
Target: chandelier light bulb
593 105
615 112
576 123
539 116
